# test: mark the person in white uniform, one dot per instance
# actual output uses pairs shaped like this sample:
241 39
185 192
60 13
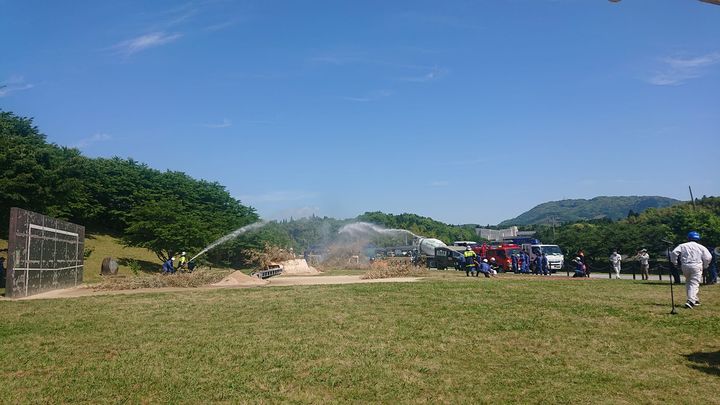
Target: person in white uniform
616 261
644 259
693 258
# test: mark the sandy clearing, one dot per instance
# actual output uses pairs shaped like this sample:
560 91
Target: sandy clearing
320 280
87 291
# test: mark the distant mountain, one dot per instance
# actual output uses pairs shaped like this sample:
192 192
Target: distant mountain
577 210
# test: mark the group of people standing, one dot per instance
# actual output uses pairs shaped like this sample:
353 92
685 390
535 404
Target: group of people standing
642 256
520 263
691 257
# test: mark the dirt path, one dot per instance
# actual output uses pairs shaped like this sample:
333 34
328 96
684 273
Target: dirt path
85 291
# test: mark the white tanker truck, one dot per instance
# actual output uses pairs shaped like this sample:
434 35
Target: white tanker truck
424 253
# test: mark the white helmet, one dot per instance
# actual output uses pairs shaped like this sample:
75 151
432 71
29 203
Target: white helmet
182 254
468 248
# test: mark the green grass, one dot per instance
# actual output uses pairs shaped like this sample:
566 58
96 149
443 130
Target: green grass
103 245
448 339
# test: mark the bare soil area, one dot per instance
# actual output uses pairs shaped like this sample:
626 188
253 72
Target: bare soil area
232 281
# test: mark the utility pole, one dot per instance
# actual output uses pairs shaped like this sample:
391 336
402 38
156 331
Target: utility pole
691 197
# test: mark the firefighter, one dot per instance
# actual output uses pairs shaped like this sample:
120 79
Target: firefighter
167 267
485 268
525 263
182 262
541 264
493 267
514 259
470 261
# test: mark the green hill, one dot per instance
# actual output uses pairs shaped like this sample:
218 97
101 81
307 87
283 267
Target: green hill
580 209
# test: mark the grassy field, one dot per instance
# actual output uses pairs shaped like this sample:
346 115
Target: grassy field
447 339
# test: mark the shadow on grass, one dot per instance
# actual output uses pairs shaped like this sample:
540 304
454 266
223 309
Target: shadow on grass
665 283
706 362
144 265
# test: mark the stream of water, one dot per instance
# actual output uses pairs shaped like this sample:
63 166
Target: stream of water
231 235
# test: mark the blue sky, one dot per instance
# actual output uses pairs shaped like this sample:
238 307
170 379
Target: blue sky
464 111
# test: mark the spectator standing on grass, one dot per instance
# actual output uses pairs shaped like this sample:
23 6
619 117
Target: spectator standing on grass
616 261
2 269
712 268
693 258
644 259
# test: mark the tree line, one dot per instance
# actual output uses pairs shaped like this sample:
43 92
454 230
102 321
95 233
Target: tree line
649 229
163 211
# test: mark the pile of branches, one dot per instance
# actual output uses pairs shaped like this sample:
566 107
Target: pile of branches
268 255
198 278
393 268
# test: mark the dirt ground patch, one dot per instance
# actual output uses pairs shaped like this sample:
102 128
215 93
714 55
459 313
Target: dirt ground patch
238 282
240 279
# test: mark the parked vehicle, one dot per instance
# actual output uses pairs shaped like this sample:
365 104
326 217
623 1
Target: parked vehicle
503 255
450 256
555 257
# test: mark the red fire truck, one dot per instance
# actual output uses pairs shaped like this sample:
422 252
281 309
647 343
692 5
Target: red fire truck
503 254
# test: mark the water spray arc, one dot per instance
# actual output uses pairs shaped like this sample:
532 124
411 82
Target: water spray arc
359 229
231 235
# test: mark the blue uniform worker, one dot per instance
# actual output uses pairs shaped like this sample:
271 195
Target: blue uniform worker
712 268
484 268
525 263
167 267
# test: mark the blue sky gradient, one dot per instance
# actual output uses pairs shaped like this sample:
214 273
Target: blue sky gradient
464 111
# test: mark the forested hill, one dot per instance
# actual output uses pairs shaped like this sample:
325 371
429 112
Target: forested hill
613 208
162 211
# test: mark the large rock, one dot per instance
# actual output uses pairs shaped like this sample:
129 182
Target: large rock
109 267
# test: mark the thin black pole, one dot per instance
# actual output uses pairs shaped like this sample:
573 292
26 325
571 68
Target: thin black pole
672 295
691 197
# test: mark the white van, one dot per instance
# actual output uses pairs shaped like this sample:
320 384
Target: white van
554 255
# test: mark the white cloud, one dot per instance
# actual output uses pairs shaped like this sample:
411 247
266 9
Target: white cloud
95 138
676 71
144 42
224 124
13 84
